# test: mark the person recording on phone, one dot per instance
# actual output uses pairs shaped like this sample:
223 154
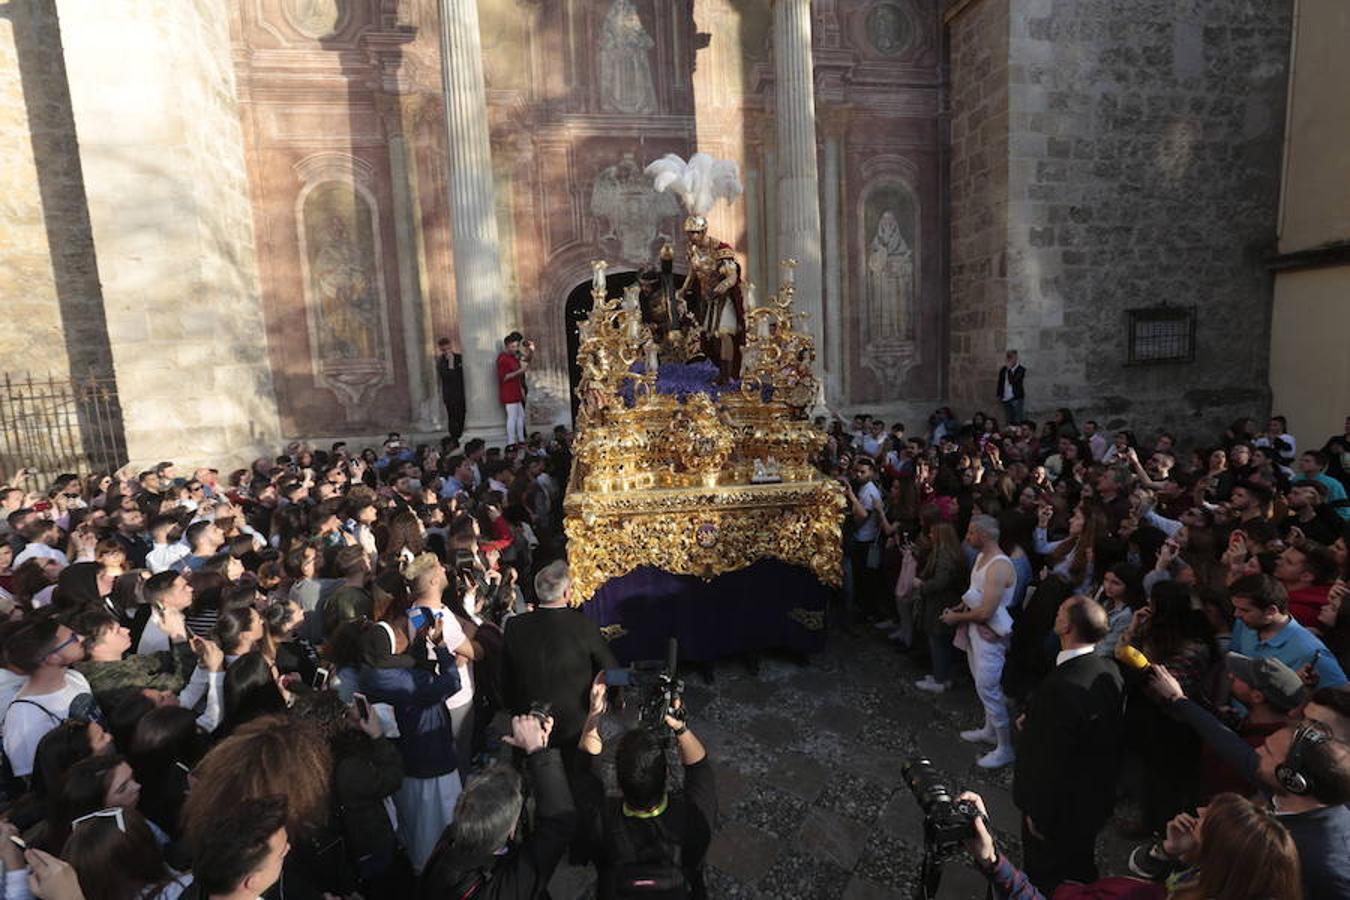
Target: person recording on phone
1264 627
552 656
512 364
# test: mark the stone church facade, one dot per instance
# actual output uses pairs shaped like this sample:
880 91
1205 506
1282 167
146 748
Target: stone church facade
248 212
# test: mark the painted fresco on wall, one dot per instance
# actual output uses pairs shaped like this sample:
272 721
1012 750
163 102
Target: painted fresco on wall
889 330
626 84
891 225
340 237
344 294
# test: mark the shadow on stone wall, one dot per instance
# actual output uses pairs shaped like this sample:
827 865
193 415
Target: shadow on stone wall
70 241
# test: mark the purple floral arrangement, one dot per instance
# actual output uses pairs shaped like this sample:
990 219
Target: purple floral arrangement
683 379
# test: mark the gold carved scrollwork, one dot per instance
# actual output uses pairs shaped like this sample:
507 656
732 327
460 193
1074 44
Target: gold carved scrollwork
665 483
705 532
811 620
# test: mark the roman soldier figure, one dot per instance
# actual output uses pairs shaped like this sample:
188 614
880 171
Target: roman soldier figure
713 291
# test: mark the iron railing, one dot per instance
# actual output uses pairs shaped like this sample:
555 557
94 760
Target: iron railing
54 425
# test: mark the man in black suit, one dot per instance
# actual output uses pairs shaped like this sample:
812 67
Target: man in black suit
450 373
1069 754
1011 387
553 655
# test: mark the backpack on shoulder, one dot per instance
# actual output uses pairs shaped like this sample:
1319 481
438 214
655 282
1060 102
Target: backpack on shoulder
645 862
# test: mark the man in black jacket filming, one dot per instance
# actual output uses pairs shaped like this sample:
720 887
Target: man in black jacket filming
482 854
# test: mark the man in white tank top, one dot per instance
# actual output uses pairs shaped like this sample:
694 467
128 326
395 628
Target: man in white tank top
983 627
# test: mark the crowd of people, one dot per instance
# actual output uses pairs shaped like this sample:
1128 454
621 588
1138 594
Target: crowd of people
326 675
333 674
1154 632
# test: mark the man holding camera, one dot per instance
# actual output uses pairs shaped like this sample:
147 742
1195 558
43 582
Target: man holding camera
512 364
1068 757
484 852
649 843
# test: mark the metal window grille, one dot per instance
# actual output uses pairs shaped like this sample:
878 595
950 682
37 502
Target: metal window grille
1162 334
56 425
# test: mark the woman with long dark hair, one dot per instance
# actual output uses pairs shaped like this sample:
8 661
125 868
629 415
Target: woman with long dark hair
251 691
1169 631
166 743
116 856
1122 592
367 770
941 579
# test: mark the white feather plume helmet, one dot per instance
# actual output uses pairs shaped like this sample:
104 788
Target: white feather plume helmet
699 183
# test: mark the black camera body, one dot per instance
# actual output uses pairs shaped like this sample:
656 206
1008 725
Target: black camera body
946 821
657 686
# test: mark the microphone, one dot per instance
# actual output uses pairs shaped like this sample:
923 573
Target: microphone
1131 658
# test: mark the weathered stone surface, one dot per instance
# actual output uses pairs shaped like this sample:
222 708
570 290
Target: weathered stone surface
154 103
979 192
1143 167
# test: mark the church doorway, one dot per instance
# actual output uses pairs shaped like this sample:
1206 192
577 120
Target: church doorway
578 308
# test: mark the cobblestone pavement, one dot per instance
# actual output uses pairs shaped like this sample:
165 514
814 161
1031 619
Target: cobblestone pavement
808 761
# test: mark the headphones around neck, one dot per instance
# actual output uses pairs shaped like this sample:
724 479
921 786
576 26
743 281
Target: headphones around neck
1290 773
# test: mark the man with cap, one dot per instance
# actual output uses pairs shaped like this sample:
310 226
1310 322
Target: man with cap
1270 694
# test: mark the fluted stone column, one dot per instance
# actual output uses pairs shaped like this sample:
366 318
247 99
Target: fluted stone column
833 280
479 291
798 178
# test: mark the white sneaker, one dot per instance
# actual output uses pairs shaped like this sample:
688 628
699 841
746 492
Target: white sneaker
895 634
997 758
926 683
983 735
884 625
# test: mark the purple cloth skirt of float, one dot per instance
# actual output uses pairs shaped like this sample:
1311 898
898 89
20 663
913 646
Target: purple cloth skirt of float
766 606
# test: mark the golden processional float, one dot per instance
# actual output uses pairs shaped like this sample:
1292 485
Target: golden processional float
682 469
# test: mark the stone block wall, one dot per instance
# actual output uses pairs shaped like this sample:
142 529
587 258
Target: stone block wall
153 94
1144 167
978 53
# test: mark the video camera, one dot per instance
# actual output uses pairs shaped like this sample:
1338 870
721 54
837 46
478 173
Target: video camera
657 686
946 821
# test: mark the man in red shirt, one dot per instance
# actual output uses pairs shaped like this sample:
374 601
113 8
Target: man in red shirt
512 364
1307 572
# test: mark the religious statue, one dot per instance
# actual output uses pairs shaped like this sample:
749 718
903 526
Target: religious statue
713 288
625 65
890 281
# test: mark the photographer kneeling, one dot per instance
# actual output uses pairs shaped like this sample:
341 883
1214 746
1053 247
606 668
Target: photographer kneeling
1236 850
648 844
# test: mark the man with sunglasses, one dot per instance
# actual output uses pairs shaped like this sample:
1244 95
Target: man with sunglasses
44 651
